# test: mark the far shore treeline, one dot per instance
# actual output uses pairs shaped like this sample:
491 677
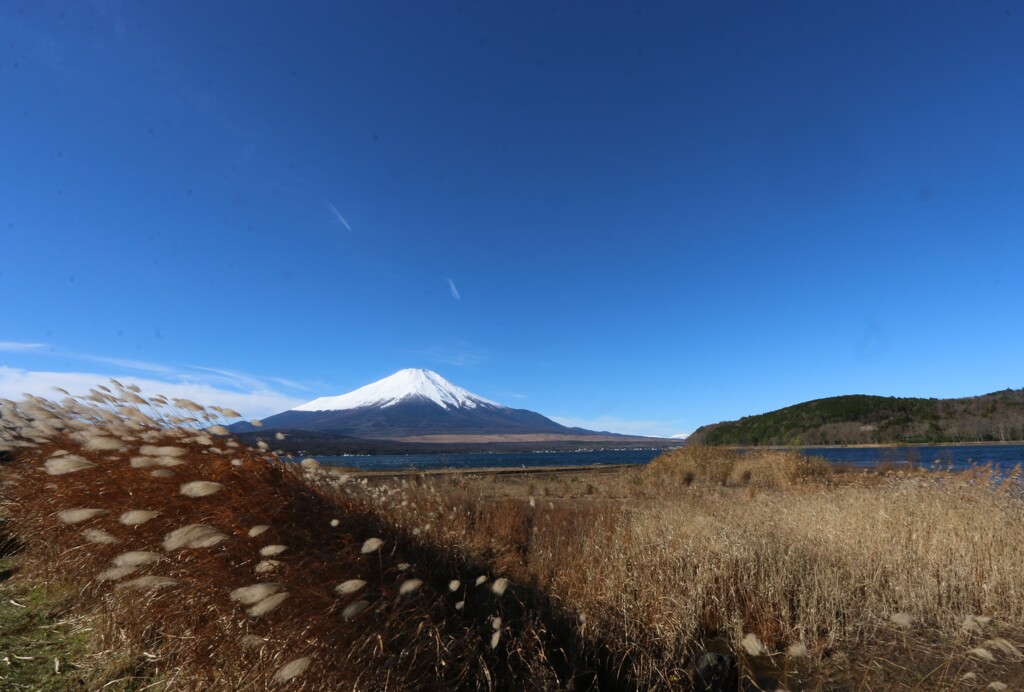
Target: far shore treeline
862 419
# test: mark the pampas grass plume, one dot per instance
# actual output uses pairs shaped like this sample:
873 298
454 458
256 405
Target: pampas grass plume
200 488
167 451
499 586
74 516
350 586
982 653
371 545
69 463
193 536
100 536
254 593
218 430
796 650
267 605
353 609
257 530
115 573
271 550
902 620
264 566
409 585
135 517
291 670
136 558
753 645
150 582
454 585
481 580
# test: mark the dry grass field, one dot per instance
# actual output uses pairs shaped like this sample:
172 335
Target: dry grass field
146 549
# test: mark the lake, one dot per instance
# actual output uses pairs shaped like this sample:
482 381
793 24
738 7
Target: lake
1002 457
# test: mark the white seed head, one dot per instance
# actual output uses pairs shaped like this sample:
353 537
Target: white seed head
753 645
267 604
334 522
193 536
496 622
100 536
460 605
69 463
482 579
454 585
255 422
350 586
136 558
264 566
115 573
1003 646
353 609
901 620
257 530
409 585
291 669
154 451
371 545
279 436
200 488
135 517
162 473
499 586
74 516
148 583
254 593
218 430
796 650
981 653
271 550
495 638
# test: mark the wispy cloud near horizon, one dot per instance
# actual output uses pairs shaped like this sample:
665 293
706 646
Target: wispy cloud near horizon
254 395
254 402
20 346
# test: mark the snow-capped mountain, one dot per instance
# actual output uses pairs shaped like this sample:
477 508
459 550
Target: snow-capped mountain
411 383
411 403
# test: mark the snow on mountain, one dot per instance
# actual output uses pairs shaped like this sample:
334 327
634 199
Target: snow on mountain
411 383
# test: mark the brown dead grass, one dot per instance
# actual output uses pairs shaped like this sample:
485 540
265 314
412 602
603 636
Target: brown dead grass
618 580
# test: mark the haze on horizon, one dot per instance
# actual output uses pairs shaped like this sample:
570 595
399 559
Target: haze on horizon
638 220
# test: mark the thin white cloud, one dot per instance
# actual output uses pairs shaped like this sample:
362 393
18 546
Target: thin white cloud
20 346
451 288
254 401
643 428
337 214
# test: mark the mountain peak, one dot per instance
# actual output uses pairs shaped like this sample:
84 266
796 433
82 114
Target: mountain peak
411 383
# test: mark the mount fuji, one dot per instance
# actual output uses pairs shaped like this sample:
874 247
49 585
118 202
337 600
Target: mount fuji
414 404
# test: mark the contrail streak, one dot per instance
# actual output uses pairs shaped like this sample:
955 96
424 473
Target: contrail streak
451 287
338 215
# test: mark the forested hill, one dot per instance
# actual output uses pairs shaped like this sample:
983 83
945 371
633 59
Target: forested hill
862 419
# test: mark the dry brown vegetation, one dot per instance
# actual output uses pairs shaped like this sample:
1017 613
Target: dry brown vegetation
206 565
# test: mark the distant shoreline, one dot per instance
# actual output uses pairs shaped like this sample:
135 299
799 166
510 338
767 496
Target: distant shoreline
878 445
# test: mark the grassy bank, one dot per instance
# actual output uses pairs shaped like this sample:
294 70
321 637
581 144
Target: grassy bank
207 564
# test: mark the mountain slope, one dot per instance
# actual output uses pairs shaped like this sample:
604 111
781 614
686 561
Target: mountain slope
862 419
411 403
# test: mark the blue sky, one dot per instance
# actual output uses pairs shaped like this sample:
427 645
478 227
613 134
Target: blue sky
640 218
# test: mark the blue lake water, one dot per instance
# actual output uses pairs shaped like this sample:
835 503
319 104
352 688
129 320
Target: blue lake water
1003 457
492 460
